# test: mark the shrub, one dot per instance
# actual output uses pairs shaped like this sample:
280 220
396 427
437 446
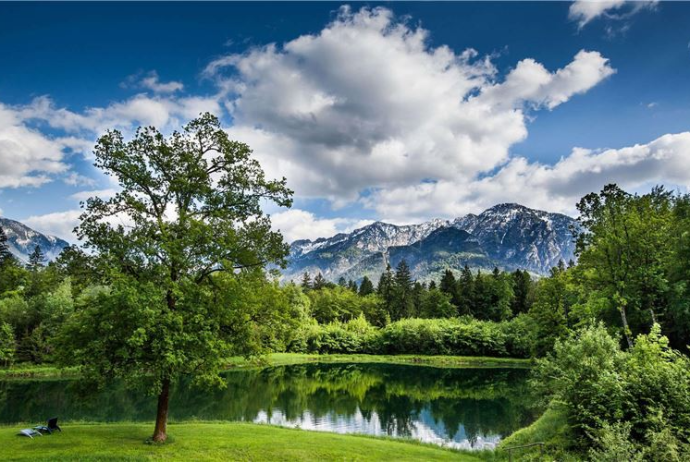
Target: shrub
462 337
639 398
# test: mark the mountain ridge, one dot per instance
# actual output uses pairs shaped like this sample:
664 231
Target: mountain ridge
508 236
23 240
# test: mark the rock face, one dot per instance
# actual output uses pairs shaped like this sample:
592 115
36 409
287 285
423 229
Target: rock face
23 240
507 236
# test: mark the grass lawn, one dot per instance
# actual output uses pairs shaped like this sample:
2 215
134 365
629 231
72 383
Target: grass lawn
212 441
281 359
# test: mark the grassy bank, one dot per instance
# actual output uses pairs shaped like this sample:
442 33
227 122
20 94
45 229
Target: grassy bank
280 359
212 441
551 429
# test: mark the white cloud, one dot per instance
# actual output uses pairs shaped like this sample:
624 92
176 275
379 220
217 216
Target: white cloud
58 224
585 11
75 179
152 82
531 82
27 157
368 103
164 112
102 193
550 187
297 224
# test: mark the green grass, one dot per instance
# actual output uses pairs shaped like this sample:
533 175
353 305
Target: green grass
280 359
32 371
213 441
552 429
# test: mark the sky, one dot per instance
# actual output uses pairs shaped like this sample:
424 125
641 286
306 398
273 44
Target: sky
400 112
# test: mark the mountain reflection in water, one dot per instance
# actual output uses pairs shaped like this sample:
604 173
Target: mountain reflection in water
460 408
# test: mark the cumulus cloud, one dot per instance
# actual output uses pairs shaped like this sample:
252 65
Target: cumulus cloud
151 81
58 224
27 157
75 179
102 193
550 187
367 103
585 11
299 224
161 112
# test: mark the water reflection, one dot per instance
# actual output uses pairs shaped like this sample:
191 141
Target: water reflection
464 408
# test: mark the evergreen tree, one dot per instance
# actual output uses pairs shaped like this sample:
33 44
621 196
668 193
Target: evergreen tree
36 259
500 294
466 292
403 300
482 298
385 289
319 282
5 253
352 285
522 289
447 285
342 282
418 291
366 287
432 285
306 282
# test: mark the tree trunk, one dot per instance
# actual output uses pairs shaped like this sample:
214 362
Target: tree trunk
626 328
160 432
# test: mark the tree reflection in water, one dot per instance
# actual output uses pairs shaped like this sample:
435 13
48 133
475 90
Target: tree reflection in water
455 407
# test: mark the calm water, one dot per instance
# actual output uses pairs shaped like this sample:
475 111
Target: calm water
463 408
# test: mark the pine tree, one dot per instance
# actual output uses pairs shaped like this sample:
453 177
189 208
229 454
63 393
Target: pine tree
403 300
319 282
522 288
342 282
306 282
385 289
36 259
466 292
449 286
432 285
5 253
448 283
418 292
352 285
366 287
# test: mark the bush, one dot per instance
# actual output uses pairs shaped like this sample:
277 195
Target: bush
462 337
619 400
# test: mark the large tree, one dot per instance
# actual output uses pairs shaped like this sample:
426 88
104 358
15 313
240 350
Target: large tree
623 249
186 223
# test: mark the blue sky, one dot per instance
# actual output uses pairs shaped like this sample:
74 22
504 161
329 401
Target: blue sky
394 111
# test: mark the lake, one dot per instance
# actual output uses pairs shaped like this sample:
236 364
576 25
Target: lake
460 408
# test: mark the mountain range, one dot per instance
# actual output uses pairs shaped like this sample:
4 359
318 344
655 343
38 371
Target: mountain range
507 236
23 240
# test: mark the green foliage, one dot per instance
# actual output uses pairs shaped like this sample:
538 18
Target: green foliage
623 251
611 397
436 304
194 202
7 344
552 310
460 337
366 287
